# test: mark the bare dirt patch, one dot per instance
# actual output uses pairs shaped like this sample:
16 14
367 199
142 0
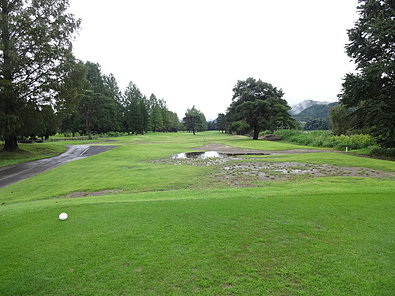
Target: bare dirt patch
237 171
246 173
96 193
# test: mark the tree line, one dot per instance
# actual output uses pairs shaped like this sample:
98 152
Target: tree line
91 102
44 88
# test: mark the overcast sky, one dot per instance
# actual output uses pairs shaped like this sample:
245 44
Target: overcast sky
193 52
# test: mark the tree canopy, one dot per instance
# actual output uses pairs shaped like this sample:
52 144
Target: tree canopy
258 105
316 124
194 120
221 122
339 118
94 104
370 93
35 47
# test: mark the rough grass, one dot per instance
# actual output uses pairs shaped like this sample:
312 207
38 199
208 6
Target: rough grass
323 138
174 231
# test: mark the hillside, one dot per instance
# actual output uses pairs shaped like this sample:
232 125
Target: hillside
298 108
315 111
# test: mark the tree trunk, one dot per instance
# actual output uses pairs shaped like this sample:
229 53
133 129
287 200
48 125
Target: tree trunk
256 133
88 126
8 99
10 144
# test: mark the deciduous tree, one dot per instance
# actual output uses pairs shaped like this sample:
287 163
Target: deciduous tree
371 91
260 105
35 45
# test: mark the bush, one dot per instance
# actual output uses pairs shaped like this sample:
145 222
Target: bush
384 152
308 138
116 134
353 141
327 139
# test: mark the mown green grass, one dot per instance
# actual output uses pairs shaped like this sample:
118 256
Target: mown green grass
175 231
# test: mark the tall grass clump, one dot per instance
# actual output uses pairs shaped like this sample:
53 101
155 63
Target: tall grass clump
327 139
353 141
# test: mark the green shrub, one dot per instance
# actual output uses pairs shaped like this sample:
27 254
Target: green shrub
383 152
327 139
116 134
312 138
353 141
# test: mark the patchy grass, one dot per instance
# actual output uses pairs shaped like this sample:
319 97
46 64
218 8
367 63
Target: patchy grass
173 230
339 159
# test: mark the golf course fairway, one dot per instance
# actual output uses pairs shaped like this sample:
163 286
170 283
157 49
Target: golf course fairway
142 223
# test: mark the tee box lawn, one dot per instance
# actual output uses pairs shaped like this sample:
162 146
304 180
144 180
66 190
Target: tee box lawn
176 229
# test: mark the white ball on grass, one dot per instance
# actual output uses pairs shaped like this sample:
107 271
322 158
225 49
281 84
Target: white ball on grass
63 216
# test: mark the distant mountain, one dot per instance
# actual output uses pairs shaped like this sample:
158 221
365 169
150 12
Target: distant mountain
315 111
296 109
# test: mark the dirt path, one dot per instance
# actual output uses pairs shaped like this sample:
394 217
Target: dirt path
239 151
14 173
